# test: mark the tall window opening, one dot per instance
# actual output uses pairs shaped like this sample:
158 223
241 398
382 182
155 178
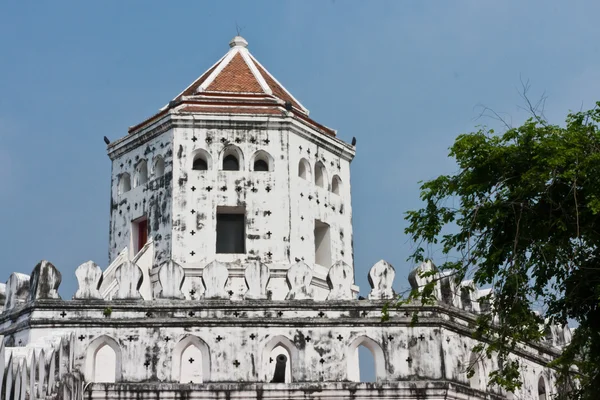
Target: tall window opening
304 169
336 185
191 361
105 366
139 234
366 361
366 364
159 167
320 175
465 297
280 367
191 365
231 231
124 183
542 389
476 380
141 173
322 244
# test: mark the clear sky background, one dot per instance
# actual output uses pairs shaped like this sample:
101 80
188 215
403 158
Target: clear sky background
403 77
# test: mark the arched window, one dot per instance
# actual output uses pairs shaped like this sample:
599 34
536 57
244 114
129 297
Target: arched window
191 361
353 356
141 174
275 358
336 185
201 160
124 183
262 161
103 360
304 169
159 167
231 163
476 380
232 159
542 389
277 346
320 175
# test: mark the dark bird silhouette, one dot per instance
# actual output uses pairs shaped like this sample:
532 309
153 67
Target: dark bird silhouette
288 106
353 141
106 140
279 375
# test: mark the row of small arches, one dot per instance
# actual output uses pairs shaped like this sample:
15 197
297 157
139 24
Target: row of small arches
141 174
191 362
232 159
321 177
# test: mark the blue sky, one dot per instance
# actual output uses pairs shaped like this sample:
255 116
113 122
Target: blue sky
403 77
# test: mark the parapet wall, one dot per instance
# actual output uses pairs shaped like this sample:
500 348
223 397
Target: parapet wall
221 339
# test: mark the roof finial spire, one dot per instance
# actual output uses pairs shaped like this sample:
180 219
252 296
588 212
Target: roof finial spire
238 41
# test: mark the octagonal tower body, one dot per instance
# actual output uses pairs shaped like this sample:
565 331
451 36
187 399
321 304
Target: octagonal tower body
177 194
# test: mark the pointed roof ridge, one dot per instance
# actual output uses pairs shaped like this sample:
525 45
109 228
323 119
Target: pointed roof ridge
235 77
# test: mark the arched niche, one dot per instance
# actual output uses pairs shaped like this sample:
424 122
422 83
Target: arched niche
542 389
321 175
477 379
191 361
279 345
231 159
304 171
103 360
262 161
141 173
158 169
201 160
352 357
336 185
124 184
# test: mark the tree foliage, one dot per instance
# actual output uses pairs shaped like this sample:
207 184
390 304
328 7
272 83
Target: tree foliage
523 215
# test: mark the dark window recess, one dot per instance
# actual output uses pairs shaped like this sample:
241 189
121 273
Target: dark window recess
200 164
231 233
261 165
141 230
230 163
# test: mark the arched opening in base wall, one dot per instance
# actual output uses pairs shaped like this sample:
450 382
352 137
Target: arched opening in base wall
103 360
377 360
191 365
476 379
276 346
275 353
366 364
542 393
191 361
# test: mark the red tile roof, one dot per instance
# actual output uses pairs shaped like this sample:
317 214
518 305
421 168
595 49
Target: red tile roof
236 77
237 84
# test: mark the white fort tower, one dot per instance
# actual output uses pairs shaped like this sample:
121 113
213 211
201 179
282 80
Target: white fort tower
231 274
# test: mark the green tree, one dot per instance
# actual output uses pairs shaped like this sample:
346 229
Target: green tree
523 214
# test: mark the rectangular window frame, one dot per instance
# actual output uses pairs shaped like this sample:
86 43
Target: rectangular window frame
232 216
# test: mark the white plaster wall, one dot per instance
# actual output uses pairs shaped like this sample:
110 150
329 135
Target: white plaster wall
152 198
310 202
278 217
